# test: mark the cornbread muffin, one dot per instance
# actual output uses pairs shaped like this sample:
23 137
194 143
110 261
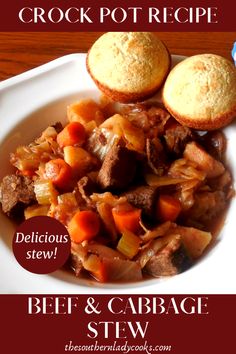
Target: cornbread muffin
128 66
200 92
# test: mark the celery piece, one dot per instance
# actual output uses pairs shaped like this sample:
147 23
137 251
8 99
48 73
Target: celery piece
45 192
128 244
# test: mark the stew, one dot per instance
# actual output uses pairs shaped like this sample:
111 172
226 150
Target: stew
138 192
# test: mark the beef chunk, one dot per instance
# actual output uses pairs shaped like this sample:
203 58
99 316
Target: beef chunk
181 259
176 138
156 156
207 206
215 143
143 197
14 191
221 183
118 168
170 260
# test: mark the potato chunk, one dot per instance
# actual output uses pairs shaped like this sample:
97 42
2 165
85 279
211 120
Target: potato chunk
79 159
85 111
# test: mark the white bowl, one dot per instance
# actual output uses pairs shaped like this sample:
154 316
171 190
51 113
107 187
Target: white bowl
30 102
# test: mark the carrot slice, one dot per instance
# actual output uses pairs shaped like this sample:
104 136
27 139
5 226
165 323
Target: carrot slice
168 208
59 172
83 226
127 219
73 134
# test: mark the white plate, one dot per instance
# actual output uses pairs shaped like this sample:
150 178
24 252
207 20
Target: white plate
30 102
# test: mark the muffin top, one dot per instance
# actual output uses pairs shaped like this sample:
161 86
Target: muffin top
128 62
200 91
